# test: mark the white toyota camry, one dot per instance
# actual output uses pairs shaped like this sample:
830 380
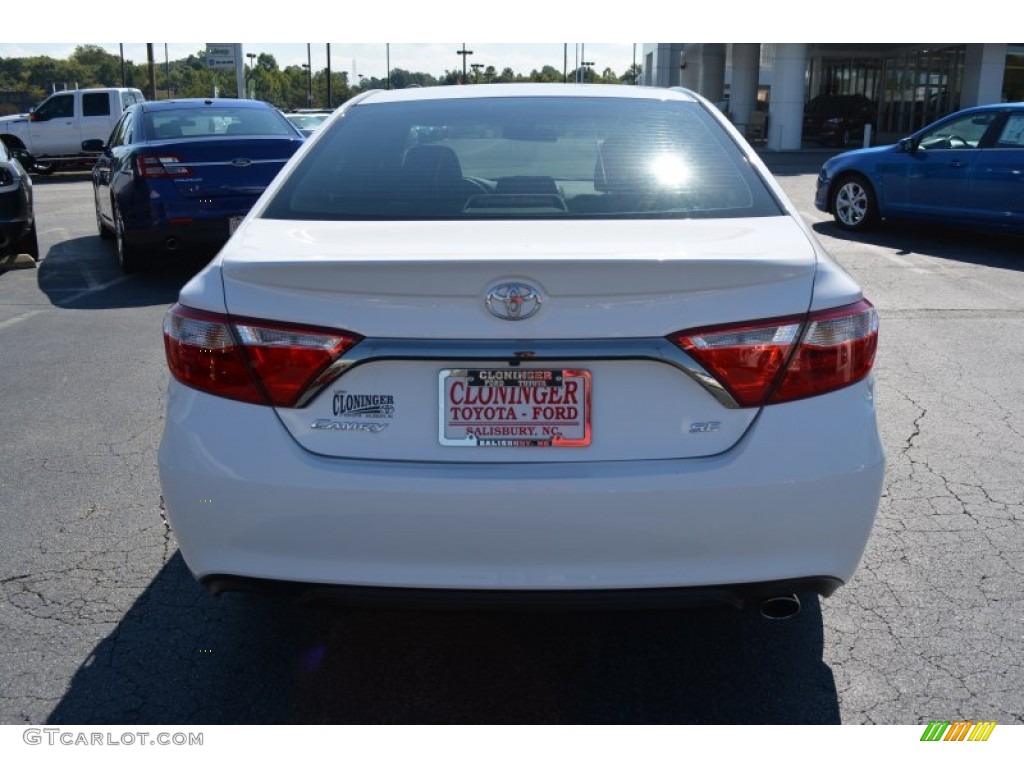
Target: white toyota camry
524 342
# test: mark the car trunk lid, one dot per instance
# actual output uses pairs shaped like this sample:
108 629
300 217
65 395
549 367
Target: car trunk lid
417 292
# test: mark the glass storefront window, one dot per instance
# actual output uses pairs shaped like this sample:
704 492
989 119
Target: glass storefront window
1013 78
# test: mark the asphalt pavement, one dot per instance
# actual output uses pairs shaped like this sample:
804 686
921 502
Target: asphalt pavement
101 622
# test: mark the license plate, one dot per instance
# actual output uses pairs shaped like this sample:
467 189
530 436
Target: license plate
515 407
233 223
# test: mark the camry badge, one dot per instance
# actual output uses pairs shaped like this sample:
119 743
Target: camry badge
513 301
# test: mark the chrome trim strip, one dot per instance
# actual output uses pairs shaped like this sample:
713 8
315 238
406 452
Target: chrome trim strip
514 352
187 164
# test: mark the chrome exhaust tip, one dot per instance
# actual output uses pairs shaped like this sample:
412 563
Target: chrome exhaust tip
780 607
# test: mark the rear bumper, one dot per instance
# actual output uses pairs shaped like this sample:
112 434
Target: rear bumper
793 502
735 595
206 234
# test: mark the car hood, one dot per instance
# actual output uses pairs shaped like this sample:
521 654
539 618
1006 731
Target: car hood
857 156
19 118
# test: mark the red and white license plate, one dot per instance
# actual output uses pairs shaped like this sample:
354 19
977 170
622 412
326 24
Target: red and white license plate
515 407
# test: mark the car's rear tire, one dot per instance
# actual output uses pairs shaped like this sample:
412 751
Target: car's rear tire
853 203
29 243
129 257
101 228
43 168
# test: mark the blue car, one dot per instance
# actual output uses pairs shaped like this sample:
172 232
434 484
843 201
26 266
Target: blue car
178 176
966 169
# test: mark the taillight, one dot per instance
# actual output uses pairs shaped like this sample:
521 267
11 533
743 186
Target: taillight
254 361
775 361
156 166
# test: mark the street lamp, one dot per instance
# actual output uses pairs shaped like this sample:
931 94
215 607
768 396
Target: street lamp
464 53
252 72
583 70
476 72
309 72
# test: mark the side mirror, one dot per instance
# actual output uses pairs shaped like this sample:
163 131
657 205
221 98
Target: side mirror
93 145
33 116
908 145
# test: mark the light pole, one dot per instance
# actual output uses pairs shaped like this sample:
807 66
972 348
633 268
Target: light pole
583 70
309 81
464 53
252 73
476 72
329 94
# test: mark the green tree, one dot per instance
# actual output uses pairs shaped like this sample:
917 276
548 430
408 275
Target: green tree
547 74
104 68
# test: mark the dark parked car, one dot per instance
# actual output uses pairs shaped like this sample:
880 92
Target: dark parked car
838 120
182 174
307 120
965 169
17 220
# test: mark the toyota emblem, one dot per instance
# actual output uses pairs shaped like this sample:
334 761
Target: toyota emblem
513 301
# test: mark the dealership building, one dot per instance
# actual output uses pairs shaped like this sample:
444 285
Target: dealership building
910 84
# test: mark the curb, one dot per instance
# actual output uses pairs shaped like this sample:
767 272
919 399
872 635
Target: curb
17 261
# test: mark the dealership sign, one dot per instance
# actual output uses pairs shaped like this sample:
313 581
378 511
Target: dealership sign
221 55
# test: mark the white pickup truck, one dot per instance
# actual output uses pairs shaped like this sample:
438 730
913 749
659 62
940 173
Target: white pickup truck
53 131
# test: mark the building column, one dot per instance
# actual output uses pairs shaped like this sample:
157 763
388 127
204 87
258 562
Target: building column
712 72
745 78
665 72
984 69
689 63
786 108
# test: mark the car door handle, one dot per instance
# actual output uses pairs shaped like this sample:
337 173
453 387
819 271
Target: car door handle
956 164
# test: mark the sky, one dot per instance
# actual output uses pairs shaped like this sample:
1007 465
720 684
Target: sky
370 59
521 34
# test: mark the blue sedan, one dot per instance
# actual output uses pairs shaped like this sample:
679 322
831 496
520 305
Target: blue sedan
965 169
179 175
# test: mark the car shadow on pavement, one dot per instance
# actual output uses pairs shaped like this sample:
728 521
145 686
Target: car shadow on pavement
82 273
990 249
181 657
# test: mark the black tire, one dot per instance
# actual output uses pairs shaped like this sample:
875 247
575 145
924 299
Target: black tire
101 228
29 243
853 203
128 255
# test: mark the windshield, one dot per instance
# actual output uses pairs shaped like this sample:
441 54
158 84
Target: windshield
306 122
523 157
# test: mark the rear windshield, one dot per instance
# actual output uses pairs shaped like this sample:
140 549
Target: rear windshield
215 121
511 157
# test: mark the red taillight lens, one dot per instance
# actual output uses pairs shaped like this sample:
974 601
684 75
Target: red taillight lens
156 166
250 360
773 362
837 349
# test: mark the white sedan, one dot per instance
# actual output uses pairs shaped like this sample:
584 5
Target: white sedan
524 343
